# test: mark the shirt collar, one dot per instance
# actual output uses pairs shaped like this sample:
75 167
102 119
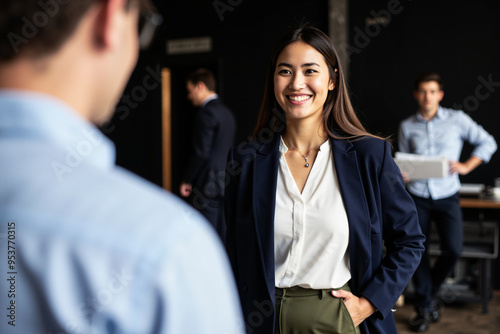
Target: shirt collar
31 114
324 147
439 115
208 99
283 148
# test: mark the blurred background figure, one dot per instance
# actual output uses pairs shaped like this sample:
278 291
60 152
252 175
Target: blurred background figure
214 131
437 131
86 246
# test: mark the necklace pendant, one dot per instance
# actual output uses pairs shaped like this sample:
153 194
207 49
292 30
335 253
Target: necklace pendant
306 165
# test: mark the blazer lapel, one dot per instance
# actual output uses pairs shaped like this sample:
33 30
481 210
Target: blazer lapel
265 175
353 195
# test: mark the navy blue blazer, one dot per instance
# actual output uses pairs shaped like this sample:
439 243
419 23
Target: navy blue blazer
378 208
213 135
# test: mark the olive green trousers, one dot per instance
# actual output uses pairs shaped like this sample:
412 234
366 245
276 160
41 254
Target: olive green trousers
309 311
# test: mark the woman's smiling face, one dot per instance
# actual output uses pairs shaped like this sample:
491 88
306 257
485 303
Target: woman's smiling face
301 81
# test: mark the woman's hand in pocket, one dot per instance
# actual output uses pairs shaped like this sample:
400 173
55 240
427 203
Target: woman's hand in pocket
359 308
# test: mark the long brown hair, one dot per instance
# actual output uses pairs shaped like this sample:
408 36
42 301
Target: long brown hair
338 113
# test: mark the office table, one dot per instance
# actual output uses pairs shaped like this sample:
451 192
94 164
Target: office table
481 243
480 203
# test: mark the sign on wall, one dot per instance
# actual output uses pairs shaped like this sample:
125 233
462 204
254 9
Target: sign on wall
189 45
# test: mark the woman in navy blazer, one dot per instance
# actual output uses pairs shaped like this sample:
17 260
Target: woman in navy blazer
379 210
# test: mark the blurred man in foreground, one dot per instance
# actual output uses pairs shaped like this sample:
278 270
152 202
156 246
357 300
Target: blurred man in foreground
85 246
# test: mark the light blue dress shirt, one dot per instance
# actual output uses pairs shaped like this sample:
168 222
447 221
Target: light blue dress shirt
443 135
87 247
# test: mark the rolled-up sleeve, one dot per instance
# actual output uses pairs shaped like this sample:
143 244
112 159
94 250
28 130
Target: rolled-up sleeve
484 143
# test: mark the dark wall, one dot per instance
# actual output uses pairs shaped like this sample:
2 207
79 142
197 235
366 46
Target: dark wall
457 39
243 34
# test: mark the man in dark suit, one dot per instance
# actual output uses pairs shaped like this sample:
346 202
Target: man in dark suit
213 135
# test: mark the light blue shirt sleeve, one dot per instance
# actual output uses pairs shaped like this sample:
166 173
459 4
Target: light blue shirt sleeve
484 143
87 247
202 298
403 143
444 135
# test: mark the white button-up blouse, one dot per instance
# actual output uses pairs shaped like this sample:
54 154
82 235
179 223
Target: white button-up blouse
311 231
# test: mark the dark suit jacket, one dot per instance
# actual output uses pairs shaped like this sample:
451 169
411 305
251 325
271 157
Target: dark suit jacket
378 208
213 135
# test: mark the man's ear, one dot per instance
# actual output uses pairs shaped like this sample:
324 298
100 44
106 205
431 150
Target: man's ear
107 19
201 86
441 95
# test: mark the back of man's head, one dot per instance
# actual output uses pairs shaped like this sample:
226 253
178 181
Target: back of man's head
38 28
205 76
79 51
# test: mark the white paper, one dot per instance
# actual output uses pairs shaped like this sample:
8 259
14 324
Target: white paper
422 166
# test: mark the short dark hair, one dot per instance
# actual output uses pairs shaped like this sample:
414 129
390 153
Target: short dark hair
428 76
205 76
39 27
